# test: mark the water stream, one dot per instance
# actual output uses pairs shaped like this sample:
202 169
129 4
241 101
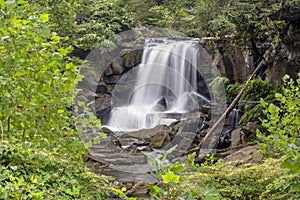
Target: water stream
165 82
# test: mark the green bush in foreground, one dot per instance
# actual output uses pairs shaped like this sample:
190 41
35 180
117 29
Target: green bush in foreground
248 181
283 126
40 152
220 181
28 172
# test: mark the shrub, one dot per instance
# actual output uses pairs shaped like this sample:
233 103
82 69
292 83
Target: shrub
283 125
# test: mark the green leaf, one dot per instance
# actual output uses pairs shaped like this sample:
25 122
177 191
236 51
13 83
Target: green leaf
170 177
177 167
154 190
2 4
44 17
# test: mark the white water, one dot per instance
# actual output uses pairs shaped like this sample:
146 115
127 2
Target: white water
165 82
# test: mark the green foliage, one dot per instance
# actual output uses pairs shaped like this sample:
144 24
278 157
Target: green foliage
266 180
165 14
99 20
40 151
37 81
29 172
61 13
283 125
247 181
256 90
174 184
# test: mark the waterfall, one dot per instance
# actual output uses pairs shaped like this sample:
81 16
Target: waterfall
165 83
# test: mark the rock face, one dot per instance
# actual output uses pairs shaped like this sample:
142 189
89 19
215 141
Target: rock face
285 58
236 64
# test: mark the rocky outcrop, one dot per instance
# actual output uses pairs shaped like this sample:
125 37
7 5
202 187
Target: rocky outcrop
285 57
236 64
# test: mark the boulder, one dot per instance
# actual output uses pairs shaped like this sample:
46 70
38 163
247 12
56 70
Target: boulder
117 66
160 139
247 155
132 58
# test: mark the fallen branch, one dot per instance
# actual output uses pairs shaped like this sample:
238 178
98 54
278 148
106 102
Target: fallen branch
233 103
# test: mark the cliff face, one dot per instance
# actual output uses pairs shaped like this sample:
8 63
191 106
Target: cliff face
238 62
285 58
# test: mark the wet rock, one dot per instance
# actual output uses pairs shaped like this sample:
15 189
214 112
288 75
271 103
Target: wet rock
182 141
121 158
236 137
247 154
160 139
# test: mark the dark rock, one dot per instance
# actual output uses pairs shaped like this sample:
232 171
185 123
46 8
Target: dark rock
107 130
102 88
232 64
112 79
103 107
108 71
225 139
175 125
250 128
247 155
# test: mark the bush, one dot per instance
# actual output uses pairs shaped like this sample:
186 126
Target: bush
28 172
40 152
247 181
283 125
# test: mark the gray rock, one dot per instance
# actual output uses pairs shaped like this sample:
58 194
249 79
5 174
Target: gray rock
145 133
133 58
117 66
247 154
236 137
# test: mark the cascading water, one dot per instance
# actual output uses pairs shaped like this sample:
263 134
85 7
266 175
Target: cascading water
165 83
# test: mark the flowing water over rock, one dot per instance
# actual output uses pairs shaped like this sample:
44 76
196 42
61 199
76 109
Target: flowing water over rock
161 88
162 103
